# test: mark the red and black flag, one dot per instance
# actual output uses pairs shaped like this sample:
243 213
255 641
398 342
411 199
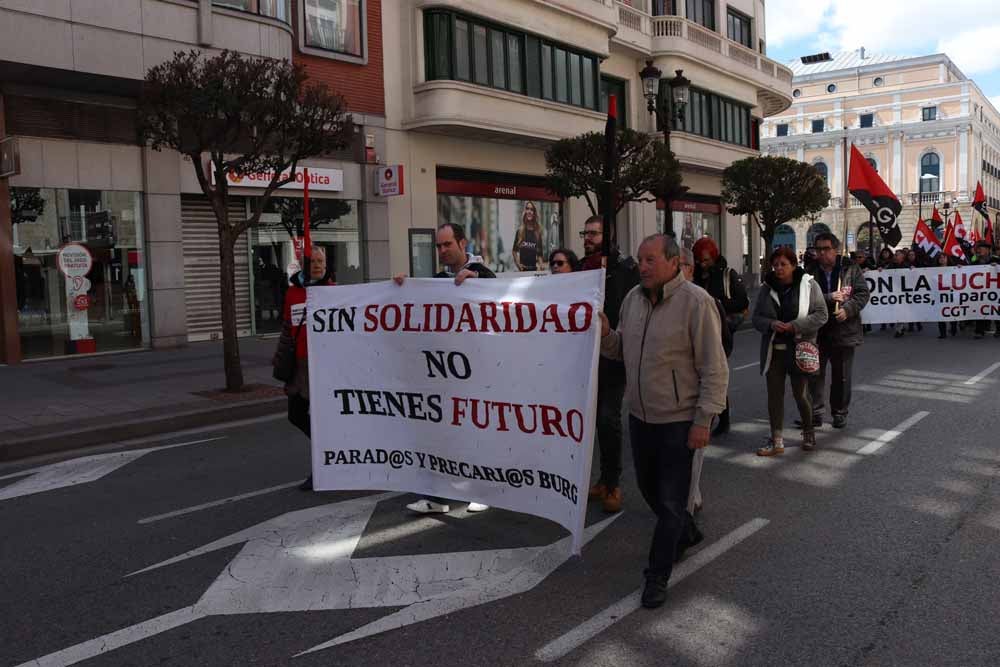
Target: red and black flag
979 203
924 239
869 188
951 245
936 217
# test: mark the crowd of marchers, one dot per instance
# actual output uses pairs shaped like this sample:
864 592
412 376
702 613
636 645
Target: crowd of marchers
666 333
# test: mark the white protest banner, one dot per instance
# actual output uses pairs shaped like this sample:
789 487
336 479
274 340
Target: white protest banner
945 294
482 392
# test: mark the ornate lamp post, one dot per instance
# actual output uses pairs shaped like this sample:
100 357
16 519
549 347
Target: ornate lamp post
680 91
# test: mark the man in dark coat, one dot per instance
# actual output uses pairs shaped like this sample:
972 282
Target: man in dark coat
846 294
622 275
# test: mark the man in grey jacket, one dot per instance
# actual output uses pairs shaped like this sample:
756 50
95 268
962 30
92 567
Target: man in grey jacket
669 336
846 294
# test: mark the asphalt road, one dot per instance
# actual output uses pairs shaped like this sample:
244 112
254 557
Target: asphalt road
880 548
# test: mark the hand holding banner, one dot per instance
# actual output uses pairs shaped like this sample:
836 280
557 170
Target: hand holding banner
484 392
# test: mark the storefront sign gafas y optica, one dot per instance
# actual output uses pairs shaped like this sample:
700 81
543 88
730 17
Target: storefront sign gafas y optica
330 180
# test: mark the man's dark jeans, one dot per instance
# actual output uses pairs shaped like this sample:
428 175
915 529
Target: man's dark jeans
840 358
663 471
610 391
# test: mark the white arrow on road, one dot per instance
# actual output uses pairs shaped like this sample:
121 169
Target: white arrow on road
78 471
301 561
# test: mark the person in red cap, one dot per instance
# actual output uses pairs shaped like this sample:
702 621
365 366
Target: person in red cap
725 284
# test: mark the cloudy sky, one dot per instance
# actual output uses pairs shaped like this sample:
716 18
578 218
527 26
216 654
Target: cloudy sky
968 31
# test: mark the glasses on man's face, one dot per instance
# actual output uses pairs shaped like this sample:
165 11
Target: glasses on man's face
589 234
558 263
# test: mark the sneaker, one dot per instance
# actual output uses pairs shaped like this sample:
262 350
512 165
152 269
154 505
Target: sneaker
307 484
772 448
655 592
597 492
613 501
477 507
839 421
424 506
808 442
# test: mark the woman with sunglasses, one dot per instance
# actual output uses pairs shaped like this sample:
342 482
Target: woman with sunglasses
562 260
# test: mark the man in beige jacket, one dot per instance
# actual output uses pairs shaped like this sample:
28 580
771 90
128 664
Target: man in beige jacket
669 336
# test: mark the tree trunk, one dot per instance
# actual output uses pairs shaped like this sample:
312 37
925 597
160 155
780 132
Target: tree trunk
227 295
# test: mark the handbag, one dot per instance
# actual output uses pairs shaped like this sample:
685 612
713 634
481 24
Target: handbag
804 358
284 360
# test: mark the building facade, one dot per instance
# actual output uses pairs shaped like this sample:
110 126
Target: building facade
926 128
477 90
106 245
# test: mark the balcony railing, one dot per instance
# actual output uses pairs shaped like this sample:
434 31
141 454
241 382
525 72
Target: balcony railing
912 199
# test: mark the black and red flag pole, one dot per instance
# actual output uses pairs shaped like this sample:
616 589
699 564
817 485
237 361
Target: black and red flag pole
979 203
610 168
869 188
306 240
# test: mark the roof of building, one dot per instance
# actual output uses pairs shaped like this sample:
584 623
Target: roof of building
842 61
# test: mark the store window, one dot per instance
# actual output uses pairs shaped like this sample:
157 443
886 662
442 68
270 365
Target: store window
275 9
690 221
335 25
334 226
511 224
80 273
466 48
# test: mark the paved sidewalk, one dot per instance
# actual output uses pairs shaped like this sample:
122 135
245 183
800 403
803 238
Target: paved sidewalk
50 406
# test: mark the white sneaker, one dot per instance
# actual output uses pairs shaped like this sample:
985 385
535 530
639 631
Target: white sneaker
424 506
477 507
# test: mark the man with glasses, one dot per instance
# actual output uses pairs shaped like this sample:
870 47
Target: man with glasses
846 294
622 275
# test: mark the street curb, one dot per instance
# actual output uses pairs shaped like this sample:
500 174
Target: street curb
67 440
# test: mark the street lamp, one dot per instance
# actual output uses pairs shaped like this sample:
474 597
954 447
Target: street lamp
925 178
680 91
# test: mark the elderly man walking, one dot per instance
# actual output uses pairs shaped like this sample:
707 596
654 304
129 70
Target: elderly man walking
669 336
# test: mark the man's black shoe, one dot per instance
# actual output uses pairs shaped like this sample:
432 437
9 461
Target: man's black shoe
307 485
817 421
839 421
655 592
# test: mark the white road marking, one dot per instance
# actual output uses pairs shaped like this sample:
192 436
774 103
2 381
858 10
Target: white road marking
80 470
891 434
744 366
976 378
216 503
589 629
304 561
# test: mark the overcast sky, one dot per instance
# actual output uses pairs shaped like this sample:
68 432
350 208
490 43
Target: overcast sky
968 31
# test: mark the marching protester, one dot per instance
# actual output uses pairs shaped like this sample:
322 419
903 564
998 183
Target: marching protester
846 294
789 313
984 256
459 265
695 503
899 263
945 260
885 258
669 336
725 285
621 276
864 263
562 260
290 361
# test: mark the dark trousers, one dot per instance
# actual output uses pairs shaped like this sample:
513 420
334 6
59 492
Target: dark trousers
841 360
298 414
776 374
663 471
981 326
610 391
943 328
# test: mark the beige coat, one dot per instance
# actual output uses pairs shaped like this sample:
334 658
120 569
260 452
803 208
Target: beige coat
674 361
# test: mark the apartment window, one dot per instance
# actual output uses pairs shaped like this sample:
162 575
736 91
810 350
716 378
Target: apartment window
867 120
334 25
275 9
618 88
714 117
470 49
702 11
930 165
823 171
782 129
832 88
929 113
763 47
817 126
738 26
664 8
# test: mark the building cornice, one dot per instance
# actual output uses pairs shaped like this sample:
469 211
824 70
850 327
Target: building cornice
935 59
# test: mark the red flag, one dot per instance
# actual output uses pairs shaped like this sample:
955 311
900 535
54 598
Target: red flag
869 188
951 246
960 231
979 203
306 240
924 238
936 217
974 237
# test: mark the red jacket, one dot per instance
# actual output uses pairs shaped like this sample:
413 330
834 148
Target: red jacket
292 314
